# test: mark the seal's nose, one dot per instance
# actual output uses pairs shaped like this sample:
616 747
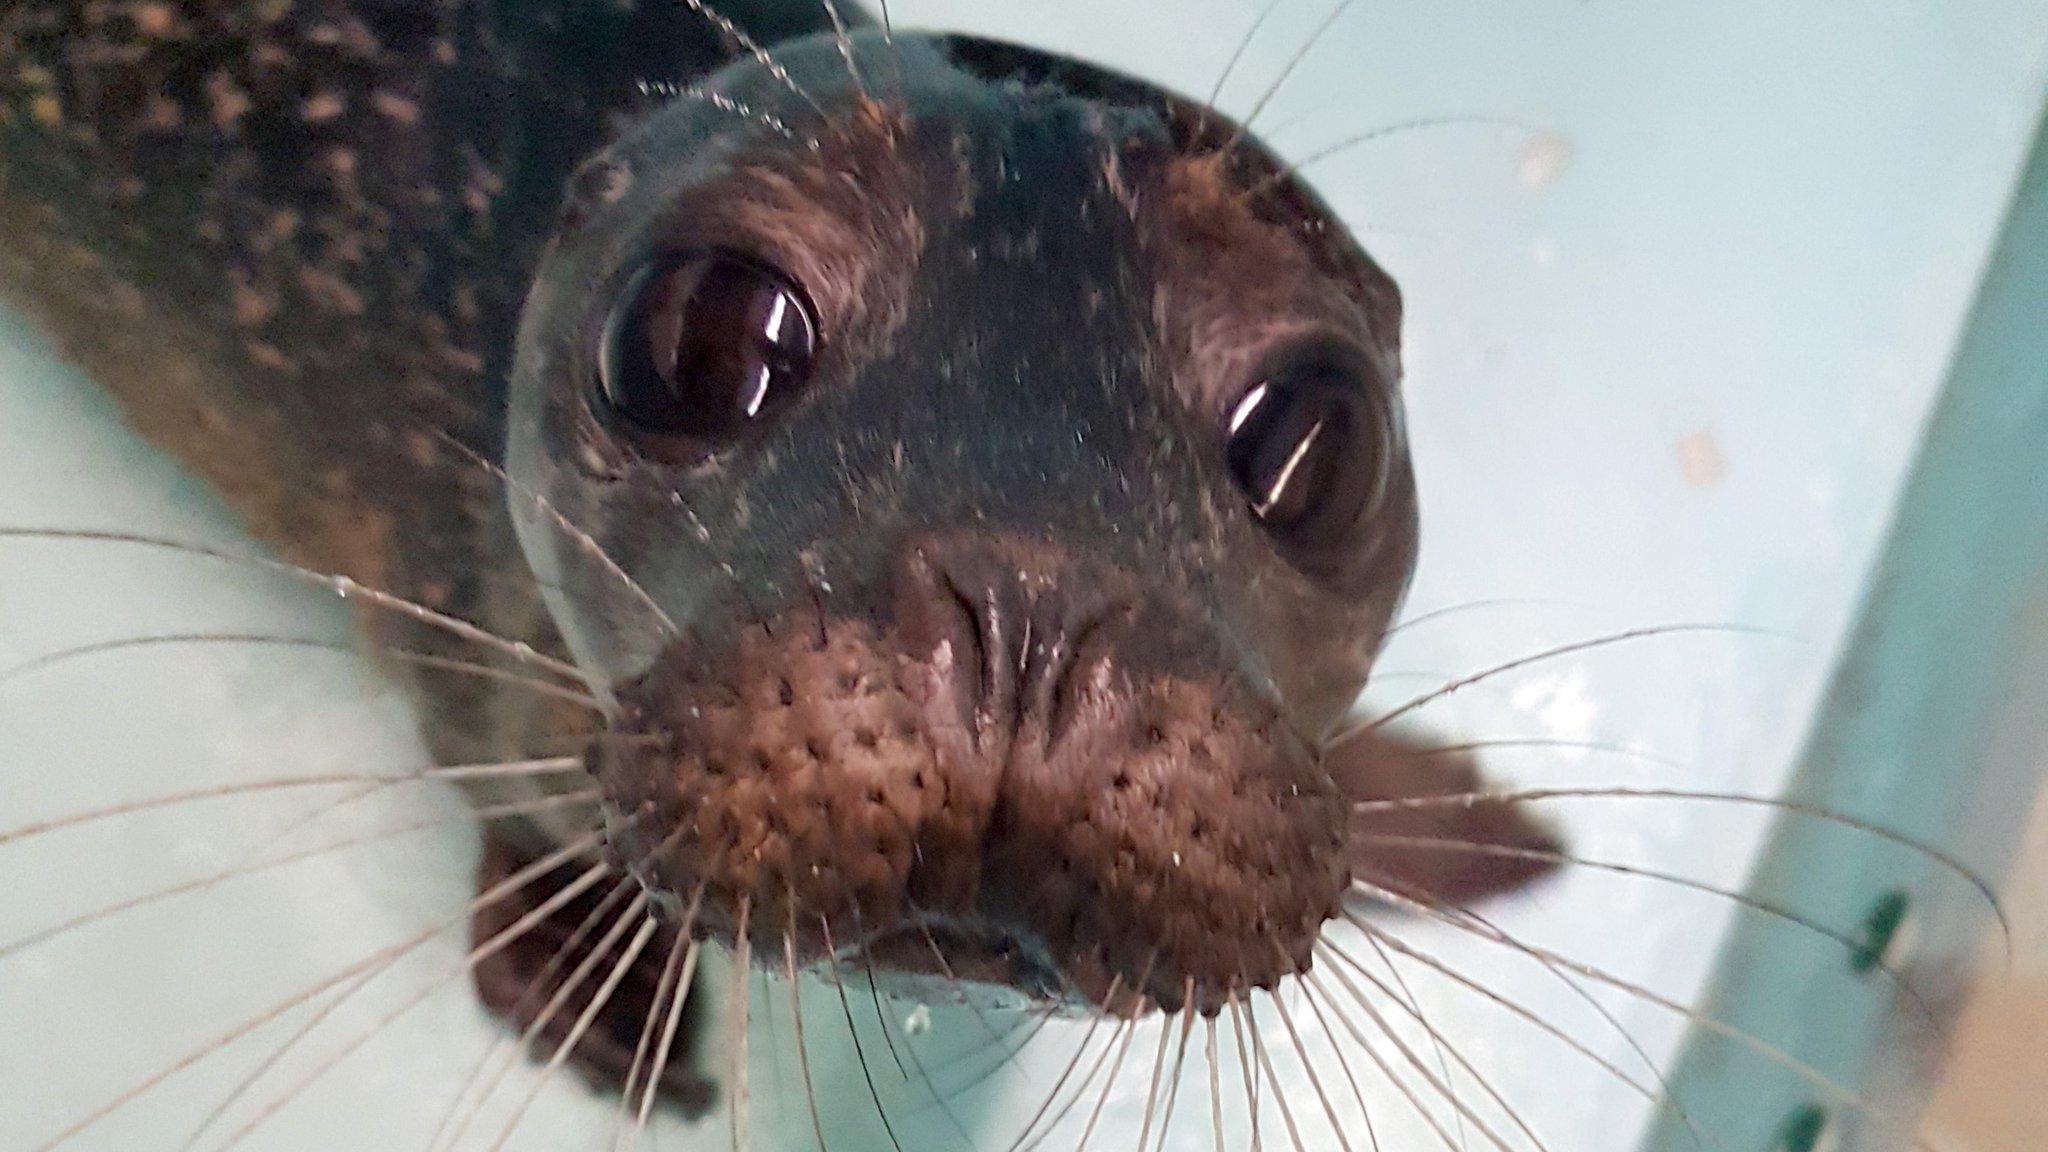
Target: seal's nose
1026 623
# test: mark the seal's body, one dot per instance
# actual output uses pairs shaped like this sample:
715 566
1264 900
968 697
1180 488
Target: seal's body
972 482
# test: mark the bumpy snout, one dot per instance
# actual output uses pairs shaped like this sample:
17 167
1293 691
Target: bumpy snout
1008 756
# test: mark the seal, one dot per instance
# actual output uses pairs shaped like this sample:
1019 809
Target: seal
969 484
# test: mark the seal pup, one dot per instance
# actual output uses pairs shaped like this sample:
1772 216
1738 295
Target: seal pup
955 491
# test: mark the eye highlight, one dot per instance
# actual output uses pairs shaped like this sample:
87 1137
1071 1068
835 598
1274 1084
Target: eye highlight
1309 445
701 345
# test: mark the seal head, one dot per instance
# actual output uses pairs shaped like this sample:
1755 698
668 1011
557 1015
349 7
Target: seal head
998 471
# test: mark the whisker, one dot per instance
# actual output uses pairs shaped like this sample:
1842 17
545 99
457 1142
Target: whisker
1405 999
844 40
1437 964
1372 1052
1125 1029
1215 1080
875 995
1665 1092
1265 1061
796 1014
753 48
1563 745
673 1024
1301 1052
1813 1076
581 1027
1152 1089
1442 1042
1623 637
375 961
663 989
1243 45
669 89
584 540
1088 1036
1550 856
1343 1062
463 1110
1286 72
946 966
1129 1031
1180 1056
1414 1061
489 896
636 910
1927 851
49 660
1421 618
344 586
520 808
1245 1068
743 961
1386 131
846 1006
286 783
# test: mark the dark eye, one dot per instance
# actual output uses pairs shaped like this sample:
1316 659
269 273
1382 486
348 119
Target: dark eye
702 344
1309 445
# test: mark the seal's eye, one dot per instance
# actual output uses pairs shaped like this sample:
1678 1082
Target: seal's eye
1311 449
701 344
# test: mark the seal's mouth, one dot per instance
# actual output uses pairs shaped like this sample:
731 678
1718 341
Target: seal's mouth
941 960
957 792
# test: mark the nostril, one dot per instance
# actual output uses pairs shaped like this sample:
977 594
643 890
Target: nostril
1081 648
972 628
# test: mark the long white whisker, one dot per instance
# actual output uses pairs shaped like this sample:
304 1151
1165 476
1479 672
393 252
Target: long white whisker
457 1121
1372 1052
1273 1077
1315 1081
1412 1059
48 660
1848 1097
1247 1071
489 896
381 958
581 1027
1215 1080
743 960
1741 799
344 586
521 808
1405 999
1087 1036
753 48
1286 72
1558 652
663 989
1152 1088
1551 856
1180 1056
584 540
1385 131
251 787
675 1018
1343 1062
1443 1045
846 1008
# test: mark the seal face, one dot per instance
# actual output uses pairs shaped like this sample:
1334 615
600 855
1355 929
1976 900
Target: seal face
1000 467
